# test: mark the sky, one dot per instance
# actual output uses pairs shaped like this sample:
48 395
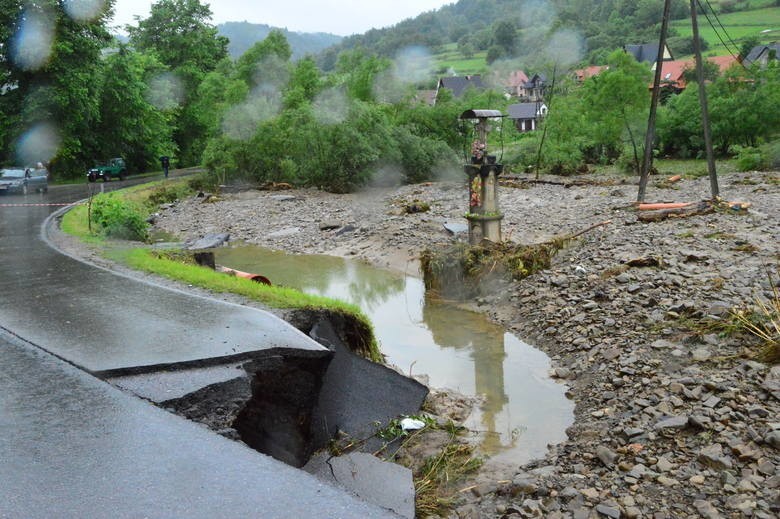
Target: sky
342 17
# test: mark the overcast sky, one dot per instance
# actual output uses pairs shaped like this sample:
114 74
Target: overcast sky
342 17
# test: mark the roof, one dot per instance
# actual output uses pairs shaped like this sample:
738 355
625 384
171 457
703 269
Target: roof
524 110
672 71
517 78
478 114
594 70
459 84
536 80
757 52
647 52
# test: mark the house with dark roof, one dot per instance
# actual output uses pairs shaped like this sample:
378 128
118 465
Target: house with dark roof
533 89
527 116
762 54
647 52
459 84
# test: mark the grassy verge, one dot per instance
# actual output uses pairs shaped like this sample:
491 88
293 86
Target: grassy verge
144 259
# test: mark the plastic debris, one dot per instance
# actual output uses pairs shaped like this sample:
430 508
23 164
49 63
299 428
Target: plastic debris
411 424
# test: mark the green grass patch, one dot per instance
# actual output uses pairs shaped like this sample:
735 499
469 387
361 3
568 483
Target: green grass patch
75 223
761 23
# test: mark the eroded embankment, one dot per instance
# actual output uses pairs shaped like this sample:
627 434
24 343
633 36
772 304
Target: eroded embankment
290 403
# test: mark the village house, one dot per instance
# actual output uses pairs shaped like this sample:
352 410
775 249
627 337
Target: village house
647 52
673 72
526 116
762 54
459 84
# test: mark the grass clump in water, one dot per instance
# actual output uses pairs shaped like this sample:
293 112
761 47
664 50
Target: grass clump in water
461 270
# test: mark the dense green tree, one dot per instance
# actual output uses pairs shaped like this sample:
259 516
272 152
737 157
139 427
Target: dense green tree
180 35
616 104
129 125
266 61
505 35
49 62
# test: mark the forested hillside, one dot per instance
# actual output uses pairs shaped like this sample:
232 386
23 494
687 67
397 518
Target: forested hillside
243 35
527 28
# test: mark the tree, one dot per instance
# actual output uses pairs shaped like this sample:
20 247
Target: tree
179 34
616 103
49 63
505 36
130 126
262 62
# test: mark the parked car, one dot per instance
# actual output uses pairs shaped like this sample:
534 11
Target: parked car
113 168
23 180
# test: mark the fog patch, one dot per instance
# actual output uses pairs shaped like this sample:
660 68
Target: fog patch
565 47
500 72
388 175
38 144
447 171
262 104
31 46
412 65
166 91
537 14
331 106
84 10
271 70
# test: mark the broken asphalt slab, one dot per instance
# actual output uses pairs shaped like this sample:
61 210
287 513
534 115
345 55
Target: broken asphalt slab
74 446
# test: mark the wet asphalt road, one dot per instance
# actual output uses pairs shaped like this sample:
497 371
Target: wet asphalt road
74 446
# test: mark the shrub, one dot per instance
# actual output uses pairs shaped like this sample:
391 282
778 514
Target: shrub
117 218
165 194
421 157
749 158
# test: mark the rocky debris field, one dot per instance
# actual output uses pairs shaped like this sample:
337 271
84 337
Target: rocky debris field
674 418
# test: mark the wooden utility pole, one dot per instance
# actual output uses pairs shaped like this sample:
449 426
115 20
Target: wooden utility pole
705 114
647 161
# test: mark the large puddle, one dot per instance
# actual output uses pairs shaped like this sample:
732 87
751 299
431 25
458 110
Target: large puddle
523 410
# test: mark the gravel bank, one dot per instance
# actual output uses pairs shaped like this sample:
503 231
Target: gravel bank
669 423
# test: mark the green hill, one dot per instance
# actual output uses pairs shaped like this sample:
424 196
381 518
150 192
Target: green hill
761 24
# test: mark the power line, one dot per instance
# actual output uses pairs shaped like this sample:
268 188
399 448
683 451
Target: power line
715 30
717 18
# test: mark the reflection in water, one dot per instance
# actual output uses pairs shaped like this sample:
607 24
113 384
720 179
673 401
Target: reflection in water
522 409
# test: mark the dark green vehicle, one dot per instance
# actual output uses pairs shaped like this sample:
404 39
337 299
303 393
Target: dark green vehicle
113 168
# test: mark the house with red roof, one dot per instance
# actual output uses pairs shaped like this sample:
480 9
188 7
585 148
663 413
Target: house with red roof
673 72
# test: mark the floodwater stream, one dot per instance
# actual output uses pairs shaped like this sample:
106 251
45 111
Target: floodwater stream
522 410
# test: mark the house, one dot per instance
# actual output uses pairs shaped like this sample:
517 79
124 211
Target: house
515 82
526 116
761 54
459 84
582 74
647 52
533 89
673 72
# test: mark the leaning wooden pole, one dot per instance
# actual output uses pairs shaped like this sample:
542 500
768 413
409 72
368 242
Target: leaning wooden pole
647 161
705 114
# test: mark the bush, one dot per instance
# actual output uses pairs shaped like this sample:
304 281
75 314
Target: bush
421 157
762 158
166 194
117 218
749 158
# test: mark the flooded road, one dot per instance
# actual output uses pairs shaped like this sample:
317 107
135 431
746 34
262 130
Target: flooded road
522 411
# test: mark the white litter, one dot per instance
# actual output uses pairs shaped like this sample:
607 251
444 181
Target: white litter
411 424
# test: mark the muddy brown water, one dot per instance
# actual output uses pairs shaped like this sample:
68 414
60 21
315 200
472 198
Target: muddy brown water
522 410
